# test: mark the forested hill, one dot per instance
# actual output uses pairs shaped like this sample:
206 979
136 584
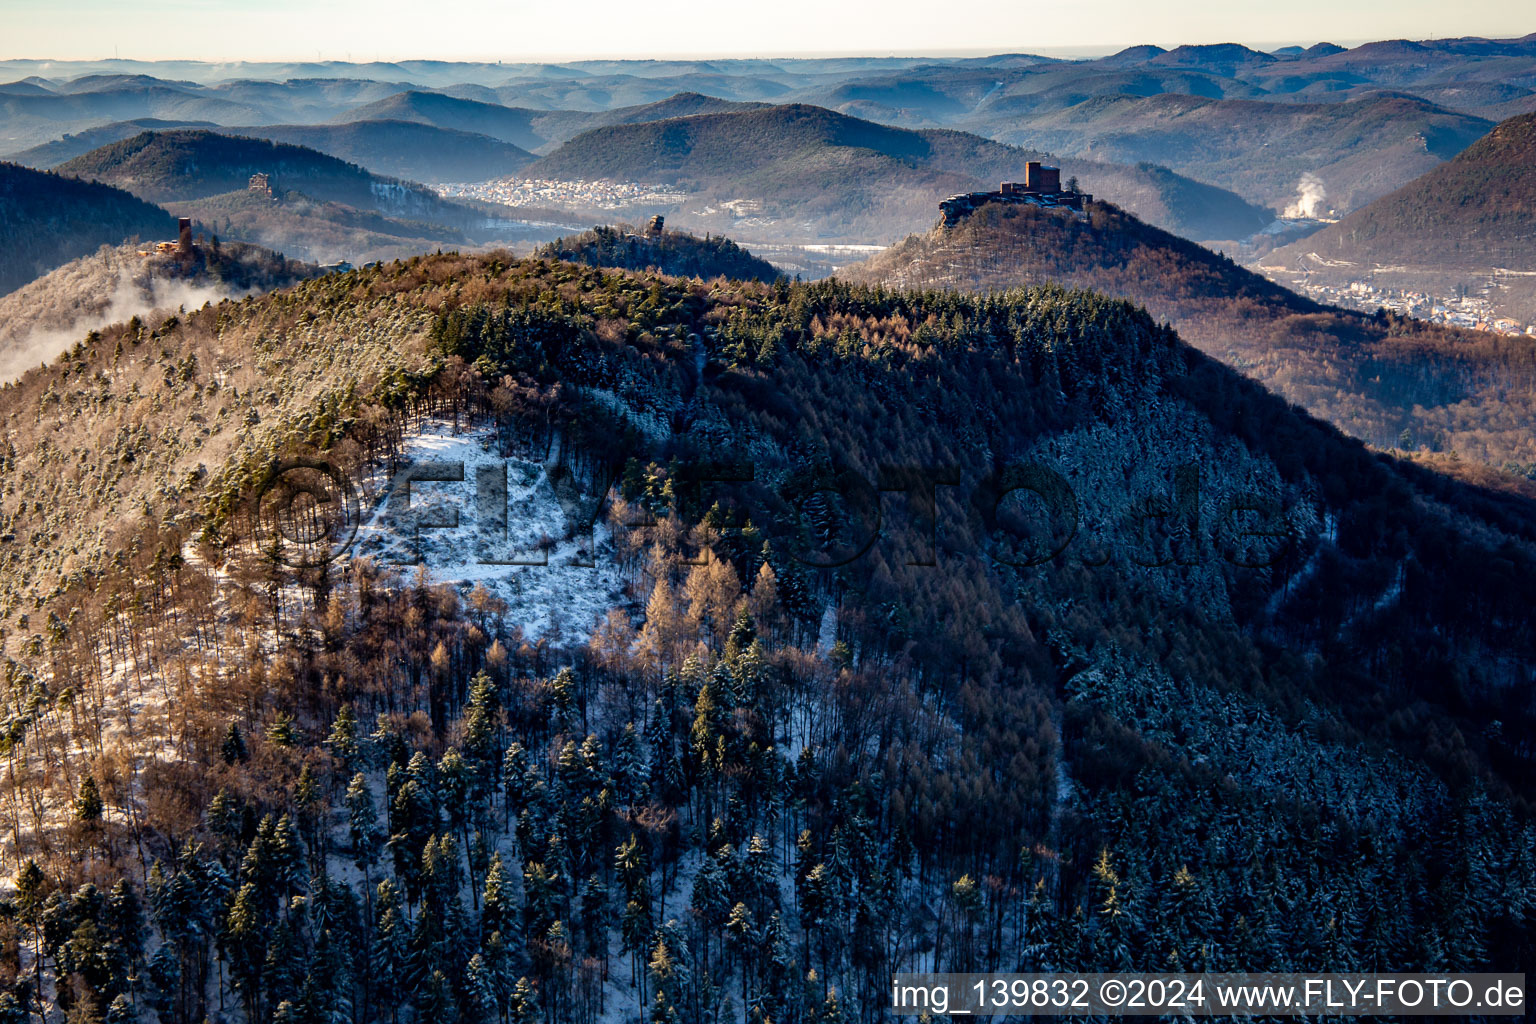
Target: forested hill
532 129
1107 249
51 154
856 179
184 164
47 220
43 318
318 207
670 252
1391 381
403 149
1267 705
1479 209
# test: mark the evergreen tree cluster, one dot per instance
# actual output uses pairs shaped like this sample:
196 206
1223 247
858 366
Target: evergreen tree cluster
768 781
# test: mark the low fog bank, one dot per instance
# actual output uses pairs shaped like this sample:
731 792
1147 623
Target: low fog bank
43 319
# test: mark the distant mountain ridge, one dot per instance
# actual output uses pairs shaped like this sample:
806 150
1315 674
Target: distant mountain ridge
1010 97
71 145
1356 150
531 129
404 149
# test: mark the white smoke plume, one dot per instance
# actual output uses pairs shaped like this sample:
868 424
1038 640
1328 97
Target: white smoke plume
42 320
1309 198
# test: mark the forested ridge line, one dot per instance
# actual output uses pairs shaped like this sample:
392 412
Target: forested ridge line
236 788
1392 381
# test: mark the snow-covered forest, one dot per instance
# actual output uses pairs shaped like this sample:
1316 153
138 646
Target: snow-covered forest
709 779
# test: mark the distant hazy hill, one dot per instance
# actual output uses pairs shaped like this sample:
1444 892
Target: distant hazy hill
672 252
47 220
321 208
404 149
574 87
680 105
1448 228
41 319
305 100
32 118
1229 59
507 124
819 173
191 163
986 99
71 145
527 128
1376 378
1357 150
37 111
558 126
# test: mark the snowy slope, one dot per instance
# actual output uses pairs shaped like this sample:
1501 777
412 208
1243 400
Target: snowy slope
556 575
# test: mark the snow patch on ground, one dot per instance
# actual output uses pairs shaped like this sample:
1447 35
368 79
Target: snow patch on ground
502 524
653 424
826 634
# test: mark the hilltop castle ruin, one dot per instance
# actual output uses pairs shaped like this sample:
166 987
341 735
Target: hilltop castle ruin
1041 187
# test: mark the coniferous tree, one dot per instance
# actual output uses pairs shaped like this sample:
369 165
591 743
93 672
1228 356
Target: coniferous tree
245 940
344 740
498 902
88 805
363 825
233 750
389 966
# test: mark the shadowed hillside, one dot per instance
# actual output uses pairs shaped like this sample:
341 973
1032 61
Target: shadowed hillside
1392 381
47 220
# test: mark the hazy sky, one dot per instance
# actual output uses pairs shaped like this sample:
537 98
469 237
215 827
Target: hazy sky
514 29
